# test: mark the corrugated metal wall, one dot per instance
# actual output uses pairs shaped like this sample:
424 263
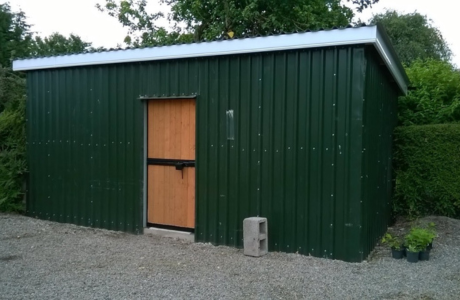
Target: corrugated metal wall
296 157
85 146
380 119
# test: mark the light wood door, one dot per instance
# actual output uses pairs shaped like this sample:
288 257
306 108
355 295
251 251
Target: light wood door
171 141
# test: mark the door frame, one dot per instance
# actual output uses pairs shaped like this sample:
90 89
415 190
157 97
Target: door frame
145 165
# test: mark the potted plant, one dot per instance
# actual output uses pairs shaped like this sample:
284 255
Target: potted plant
418 240
395 245
432 229
412 253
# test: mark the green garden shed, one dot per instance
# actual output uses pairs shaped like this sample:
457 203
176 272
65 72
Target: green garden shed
295 127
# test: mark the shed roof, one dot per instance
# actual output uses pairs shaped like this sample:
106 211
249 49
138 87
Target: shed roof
372 35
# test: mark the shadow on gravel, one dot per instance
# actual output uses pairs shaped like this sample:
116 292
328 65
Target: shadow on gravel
10 257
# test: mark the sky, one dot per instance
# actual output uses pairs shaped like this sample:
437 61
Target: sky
82 18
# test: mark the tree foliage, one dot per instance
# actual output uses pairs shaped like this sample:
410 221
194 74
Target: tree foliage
15 35
210 19
12 140
57 44
413 36
435 97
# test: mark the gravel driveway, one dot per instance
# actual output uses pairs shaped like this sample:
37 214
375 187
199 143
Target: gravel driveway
45 260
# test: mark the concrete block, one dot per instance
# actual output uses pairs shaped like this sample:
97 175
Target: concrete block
255 235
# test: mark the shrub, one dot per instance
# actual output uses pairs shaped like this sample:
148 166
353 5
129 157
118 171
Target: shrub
435 98
427 167
12 140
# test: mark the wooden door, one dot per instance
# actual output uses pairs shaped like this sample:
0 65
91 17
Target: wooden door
171 162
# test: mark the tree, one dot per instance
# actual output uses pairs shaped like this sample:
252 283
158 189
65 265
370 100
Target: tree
435 98
413 36
210 19
12 140
15 36
57 44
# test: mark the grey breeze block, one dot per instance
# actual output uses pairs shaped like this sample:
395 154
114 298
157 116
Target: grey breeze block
255 236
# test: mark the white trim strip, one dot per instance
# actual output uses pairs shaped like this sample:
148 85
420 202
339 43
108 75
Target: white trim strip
335 37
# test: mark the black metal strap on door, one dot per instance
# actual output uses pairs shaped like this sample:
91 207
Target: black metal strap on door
178 163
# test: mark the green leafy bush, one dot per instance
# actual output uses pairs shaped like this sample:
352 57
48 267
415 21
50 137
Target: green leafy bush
435 98
418 239
427 166
12 140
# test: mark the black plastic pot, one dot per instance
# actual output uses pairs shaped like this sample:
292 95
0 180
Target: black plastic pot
412 256
397 254
430 246
424 255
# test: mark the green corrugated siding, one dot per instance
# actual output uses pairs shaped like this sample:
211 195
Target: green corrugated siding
296 158
380 106
297 153
85 145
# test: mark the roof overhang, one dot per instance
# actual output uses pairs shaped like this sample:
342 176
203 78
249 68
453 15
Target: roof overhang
336 37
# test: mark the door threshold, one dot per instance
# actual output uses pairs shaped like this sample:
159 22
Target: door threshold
170 233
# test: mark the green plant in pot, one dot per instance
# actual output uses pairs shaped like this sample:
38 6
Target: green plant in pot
395 244
417 241
432 229
412 253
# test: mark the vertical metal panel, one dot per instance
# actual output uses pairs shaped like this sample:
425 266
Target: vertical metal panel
85 133
296 157
380 106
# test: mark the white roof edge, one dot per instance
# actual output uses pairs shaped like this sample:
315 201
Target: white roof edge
334 37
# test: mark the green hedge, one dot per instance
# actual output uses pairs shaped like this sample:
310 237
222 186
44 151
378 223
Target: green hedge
12 140
427 166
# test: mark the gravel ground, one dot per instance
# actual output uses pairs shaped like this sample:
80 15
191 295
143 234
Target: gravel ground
45 260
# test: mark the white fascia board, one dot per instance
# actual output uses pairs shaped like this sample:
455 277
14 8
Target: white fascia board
324 38
391 62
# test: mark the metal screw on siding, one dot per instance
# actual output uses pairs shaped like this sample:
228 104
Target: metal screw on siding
242 150
332 164
327 149
211 145
301 148
333 134
222 146
313 148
